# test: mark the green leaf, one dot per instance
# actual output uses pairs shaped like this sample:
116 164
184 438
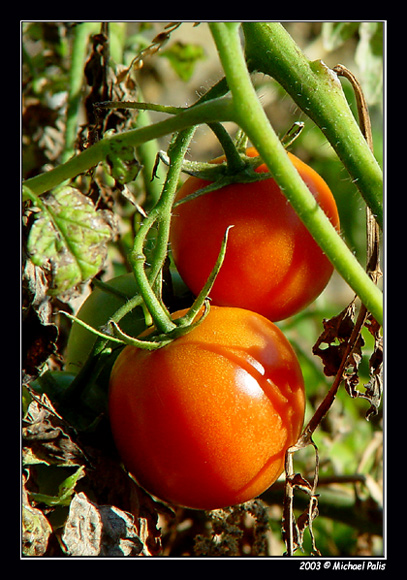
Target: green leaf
124 166
65 490
26 399
68 237
183 58
334 34
369 58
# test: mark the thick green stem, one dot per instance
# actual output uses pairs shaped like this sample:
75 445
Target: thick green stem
250 116
150 299
219 109
317 91
160 214
82 31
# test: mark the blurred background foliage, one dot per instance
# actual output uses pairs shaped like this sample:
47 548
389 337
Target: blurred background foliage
351 449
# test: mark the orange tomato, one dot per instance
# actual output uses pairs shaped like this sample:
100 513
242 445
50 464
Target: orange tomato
205 421
272 265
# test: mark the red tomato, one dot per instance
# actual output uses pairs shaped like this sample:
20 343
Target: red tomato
272 265
205 421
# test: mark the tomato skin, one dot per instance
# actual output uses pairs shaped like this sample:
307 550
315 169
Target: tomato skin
96 310
272 265
205 421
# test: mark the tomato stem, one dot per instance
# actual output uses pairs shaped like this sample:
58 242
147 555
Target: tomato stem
161 213
317 91
80 46
271 49
204 293
94 331
137 342
235 163
218 109
251 117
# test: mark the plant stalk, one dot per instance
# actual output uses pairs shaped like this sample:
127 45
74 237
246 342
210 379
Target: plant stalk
318 92
219 109
82 32
160 214
250 116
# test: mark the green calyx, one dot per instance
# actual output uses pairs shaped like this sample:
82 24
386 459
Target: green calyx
237 167
220 175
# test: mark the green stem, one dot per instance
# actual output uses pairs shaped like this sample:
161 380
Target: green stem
140 106
161 214
137 259
91 329
204 293
318 92
251 117
146 154
82 32
335 504
235 164
218 109
160 251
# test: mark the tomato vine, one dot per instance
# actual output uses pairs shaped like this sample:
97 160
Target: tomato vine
243 49
244 108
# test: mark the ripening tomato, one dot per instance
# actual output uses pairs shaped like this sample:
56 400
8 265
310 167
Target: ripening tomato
205 421
272 265
98 307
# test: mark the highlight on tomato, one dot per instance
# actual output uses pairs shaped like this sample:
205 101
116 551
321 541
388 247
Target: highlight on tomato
205 421
272 266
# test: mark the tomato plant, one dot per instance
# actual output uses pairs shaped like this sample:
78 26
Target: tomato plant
207 408
57 380
97 309
205 421
272 266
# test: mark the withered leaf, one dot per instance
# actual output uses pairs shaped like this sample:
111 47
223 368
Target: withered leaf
339 326
69 238
301 483
111 485
40 334
304 521
336 335
374 388
46 436
93 530
373 394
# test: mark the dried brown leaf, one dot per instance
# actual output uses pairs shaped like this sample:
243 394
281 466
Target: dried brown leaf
304 521
373 389
301 483
47 438
234 533
39 332
93 530
111 485
333 344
